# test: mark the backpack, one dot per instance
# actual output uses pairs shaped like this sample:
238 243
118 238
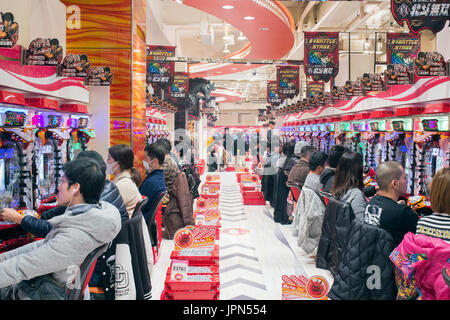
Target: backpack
191 179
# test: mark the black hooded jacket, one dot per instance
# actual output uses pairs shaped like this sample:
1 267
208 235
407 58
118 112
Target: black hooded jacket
327 179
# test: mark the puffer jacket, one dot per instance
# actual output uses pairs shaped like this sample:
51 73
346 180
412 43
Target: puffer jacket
327 179
73 236
418 261
335 229
308 220
179 211
365 271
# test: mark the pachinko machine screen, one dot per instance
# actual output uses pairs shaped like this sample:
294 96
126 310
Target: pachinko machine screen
9 174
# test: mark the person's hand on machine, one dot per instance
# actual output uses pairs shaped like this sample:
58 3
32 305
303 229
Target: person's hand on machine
10 215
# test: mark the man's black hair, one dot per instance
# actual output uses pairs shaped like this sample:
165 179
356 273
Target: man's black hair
348 82
390 66
365 75
107 69
272 122
83 57
307 150
422 55
54 41
335 154
316 159
157 151
8 16
165 143
94 155
88 174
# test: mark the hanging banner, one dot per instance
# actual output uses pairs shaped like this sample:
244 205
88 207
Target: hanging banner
179 88
9 30
402 48
421 14
288 81
75 65
314 87
321 55
397 74
429 64
99 76
160 71
44 52
272 93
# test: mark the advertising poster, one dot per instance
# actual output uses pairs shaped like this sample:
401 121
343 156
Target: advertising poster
402 48
9 30
288 81
396 74
75 65
44 52
321 55
99 76
429 64
303 288
179 88
160 71
272 93
421 14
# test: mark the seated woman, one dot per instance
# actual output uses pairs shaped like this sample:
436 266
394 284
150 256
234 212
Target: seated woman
348 183
421 257
126 177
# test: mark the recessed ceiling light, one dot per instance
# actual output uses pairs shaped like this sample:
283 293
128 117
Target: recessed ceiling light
228 7
249 18
263 29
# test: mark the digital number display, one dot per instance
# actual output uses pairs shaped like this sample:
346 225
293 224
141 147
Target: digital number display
430 125
15 119
82 122
374 126
6 153
54 121
398 125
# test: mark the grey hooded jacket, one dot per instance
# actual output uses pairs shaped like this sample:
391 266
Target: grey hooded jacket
75 234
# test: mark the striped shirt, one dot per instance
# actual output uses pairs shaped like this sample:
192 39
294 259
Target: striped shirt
435 225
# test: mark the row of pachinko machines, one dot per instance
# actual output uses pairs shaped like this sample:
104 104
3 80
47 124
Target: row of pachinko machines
36 138
420 142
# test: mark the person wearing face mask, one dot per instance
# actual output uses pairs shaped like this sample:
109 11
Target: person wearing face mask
154 183
126 177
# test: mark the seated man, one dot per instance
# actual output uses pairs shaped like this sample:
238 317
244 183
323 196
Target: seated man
300 171
45 269
316 165
383 210
154 183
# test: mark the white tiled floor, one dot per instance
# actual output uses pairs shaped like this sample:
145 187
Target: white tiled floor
252 261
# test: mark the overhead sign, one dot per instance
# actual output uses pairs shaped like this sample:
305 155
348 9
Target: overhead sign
402 48
421 14
321 55
272 93
75 65
99 76
44 52
179 88
160 71
9 30
288 81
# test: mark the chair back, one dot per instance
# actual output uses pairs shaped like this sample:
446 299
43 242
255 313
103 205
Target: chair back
151 219
140 205
84 275
295 190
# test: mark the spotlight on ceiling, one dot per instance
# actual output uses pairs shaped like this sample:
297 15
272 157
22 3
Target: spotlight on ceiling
249 18
228 7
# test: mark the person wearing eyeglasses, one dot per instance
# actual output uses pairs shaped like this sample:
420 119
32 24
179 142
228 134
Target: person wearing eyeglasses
44 270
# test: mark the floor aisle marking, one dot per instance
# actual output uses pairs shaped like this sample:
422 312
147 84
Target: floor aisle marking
240 266
237 245
242 297
241 255
244 281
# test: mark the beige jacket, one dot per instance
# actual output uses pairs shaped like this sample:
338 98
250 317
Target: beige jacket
128 190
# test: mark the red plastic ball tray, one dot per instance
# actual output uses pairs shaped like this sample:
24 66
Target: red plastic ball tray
190 295
208 196
212 258
212 284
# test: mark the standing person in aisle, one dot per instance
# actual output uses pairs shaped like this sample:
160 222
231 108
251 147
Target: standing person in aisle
154 183
301 170
348 183
384 210
43 270
270 133
170 167
270 159
228 143
120 163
